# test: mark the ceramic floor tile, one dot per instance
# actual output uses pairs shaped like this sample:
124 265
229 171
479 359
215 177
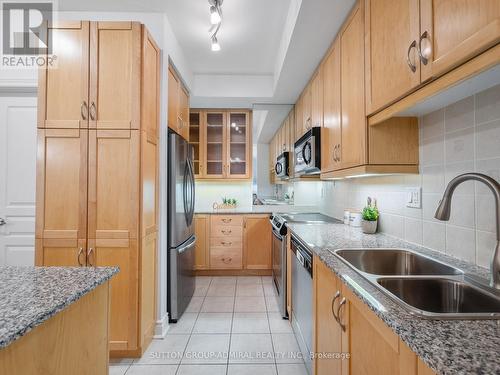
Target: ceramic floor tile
292 369
217 280
249 280
250 323
200 290
152 370
249 290
246 369
202 370
221 290
251 348
164 351
207 349
120 361
213 323
250 304
286 348
269 289
267 280
278 324
218 304
272 304
118 369
195 304
184 325
203 280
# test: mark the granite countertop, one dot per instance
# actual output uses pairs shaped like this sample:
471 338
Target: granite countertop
31 295
446 346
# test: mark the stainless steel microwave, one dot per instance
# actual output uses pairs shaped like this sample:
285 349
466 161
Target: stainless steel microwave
307 153
281 167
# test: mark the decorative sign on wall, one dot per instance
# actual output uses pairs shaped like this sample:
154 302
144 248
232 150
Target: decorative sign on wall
227 203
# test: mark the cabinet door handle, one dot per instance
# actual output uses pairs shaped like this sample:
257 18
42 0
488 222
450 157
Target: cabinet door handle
84 110
90 253
92 111
338 152
335 153
412 66
337 295
423 59
342 303
80 252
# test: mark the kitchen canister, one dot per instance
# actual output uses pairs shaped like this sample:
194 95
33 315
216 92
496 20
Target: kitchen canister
355 218
347 217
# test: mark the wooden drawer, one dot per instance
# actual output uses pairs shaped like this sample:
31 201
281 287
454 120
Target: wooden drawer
227 242
225 258
226 220
226 231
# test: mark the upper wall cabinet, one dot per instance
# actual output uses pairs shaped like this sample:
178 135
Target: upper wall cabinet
222 143
412 41
178 105
452 32
392 67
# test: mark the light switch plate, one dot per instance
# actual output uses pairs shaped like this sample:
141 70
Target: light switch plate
414 197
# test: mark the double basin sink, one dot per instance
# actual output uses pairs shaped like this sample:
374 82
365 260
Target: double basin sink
424 286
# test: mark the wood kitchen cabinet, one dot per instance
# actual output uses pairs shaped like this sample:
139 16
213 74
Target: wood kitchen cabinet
97 187
299 117
317 99
343 324
392 66
257 242
201 251
412 41
178 104
452 32
63 98
222 143
307 108
232 244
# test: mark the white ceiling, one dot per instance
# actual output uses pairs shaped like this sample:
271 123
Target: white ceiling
249 36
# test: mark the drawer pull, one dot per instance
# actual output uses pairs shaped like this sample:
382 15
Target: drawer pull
226 243
227 220
227 260
226 231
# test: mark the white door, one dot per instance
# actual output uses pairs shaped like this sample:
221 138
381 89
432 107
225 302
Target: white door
17 180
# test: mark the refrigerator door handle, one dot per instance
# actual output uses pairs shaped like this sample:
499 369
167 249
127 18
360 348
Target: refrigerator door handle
190 244
191 175
185 192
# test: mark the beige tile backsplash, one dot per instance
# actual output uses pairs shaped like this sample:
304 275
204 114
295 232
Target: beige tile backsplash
462 137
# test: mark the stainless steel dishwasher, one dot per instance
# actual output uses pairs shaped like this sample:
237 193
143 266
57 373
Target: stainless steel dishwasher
302 299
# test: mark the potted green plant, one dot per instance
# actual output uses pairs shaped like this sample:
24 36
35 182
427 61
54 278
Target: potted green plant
370 216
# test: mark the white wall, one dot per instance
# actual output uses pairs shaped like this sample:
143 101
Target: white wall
459 138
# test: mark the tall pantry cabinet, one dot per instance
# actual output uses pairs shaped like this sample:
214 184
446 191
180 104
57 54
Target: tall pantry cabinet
97 166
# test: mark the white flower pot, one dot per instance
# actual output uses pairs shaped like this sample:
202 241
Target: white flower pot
369 227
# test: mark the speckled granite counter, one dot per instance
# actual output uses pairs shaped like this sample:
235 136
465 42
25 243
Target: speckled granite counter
31 295
446 346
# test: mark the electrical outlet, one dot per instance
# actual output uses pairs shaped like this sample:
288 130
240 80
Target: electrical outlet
414 197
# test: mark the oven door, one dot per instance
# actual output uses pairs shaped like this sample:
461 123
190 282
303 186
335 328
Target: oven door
279 271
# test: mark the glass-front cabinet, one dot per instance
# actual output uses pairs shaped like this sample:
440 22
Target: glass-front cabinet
221 142
238 144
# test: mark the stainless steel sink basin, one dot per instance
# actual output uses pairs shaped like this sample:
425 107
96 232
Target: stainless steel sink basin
446 297
394 262
425 287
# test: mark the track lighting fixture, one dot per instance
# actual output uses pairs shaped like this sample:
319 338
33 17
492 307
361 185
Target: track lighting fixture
215 20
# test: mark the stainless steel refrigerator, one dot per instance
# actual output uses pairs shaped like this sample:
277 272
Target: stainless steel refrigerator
181 238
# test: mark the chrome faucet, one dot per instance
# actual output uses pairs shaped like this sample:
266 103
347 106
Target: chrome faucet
443 213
